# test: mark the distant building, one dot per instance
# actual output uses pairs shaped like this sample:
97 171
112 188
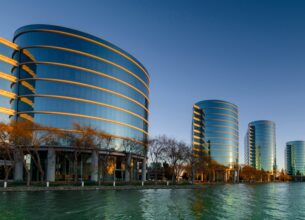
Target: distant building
260 145
295 158
215 131
55 76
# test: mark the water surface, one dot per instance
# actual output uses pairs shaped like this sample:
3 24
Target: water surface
240 201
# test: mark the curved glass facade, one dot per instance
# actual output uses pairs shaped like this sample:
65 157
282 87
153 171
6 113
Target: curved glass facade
216 131
295 158
7 79
66 76
261 145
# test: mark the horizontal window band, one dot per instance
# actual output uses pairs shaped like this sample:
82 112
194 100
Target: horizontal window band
223 120
9 43
230 110
218 145
92 41
88 101
231 127
8 60
7 111
225 151
222 138
8 77
229 157
7 94
91 71
221 114
106 134
226 103
85 116
219 126
222 132
89 86
92 56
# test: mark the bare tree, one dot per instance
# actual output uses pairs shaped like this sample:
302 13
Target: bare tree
175 155
130 147
104 143
81 140
156 150
6 150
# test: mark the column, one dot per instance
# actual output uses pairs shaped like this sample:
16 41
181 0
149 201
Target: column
144 169
18 169
127 168
51 165
225 176
94 166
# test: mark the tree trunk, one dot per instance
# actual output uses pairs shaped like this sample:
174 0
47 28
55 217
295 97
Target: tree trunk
38 164
156 174
193 174
28 178
75 167
7 171
173 175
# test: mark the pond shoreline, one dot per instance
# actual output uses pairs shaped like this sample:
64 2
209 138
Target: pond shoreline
119 187
88 188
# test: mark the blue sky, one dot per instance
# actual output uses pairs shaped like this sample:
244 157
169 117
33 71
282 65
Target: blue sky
251 53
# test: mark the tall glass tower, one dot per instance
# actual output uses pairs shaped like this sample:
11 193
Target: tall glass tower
260 145
215 131
57 76
295 158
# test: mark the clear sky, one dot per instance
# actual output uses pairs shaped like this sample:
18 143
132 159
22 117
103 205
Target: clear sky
251 53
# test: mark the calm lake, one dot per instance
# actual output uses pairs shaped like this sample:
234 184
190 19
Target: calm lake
240 201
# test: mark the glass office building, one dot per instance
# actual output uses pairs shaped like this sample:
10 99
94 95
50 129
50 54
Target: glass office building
260 145
295 158
57 76
215 131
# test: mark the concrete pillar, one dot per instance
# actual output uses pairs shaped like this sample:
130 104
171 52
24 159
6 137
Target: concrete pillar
127 168
18 170
144 170
225 176
51 165
237 177
94 166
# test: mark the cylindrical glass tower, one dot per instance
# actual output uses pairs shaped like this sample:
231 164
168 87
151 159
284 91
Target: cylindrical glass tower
67 76
216 131
295 158
261 145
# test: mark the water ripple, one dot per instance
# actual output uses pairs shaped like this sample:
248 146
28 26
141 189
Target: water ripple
241 201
